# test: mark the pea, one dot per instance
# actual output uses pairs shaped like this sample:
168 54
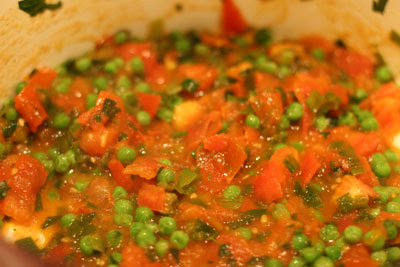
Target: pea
392 206
161 247
245 233
360 95
380 166
145 238
62 164
263 64
369 124
323 262
374 240
299 241
383 74
151 226
352 234
333 252
165 162
297 262
81 185
40 156
283 71
100 83
287 57
273 263
21 85
143 214
83 64
119 62
115 257
309 254
165 114
67 220
123 82
232 192
340 243
2 149
86 246
182 45
391 229
318 54
321 123
61 121
63 85
143 87
285 123
190 85
143 118
11 114
391 155
111 67
123 206
135 228
91 100
253 121
180 239
294 111
167 225
120 37
137 65
329 233
8 101
379 256
126 154
119 192
201 49
393 254
166 176
114 238
280 212
348 119
123 219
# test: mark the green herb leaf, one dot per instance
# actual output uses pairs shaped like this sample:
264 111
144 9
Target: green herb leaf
109 108
255 213
185 181
9 129
395 37
82 225
347 203
50 221
38 203
27 244
34 7
3 189
175 253
346 150
379 5
200 231
309 194
291 163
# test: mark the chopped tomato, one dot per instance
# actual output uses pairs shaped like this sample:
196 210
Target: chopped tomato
24 176
317 42
353 63
204 74
145 167
267 185
27 103
152 196
149 102
368 177
358 256
354 187
134 256
121 178
43 78
232 20
309 167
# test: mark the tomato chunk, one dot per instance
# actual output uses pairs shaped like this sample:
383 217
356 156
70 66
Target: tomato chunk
145 167
309 166
204 74
232 20
149 102
43 78
152 196
267 186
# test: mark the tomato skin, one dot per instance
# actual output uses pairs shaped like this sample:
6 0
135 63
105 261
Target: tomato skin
28 104
267 186
145 167
152 196
25 176
309 166
358 256
204 74
353 63
43 78
149 102
134 256
117 171
232 20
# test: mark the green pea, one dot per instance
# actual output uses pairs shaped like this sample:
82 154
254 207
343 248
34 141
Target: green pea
352 234
318 54
161 247
348 119
81 185
329 233
8 102
369 124
166 176
61 121
374 240
287 57
114 238
111 67
263 64
319 245
383 74
245 233
126 154
180 239
86 246
120 37
11 114
294 111
123 82
165 114
391 229
143 87
83 64
263 37
143 118
2 149
299 241
143 214
379 256
145 238
285 123
253 121
273 263
135 228
309 254
183 45
137 65
165 162
360 95
123 206
392 206
391 155
100 83
280 212
380 166
21 85
67 220
190 85
340 243
321 123
323 262
91 100
119 62
63 85
167 225
115 257
123 219
62 164
333 252
151 226
40 156
201 49
119 192
393 254
283 71
232 192
297 262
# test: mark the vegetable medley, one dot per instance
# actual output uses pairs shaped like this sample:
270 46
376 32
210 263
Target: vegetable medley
205 150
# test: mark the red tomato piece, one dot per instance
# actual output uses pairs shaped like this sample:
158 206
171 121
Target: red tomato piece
204 74
152 196
353 63
145 167
232 20
267 186
149 102
358 256
121 178
27 103
309 167
368 177
43 78
133 256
